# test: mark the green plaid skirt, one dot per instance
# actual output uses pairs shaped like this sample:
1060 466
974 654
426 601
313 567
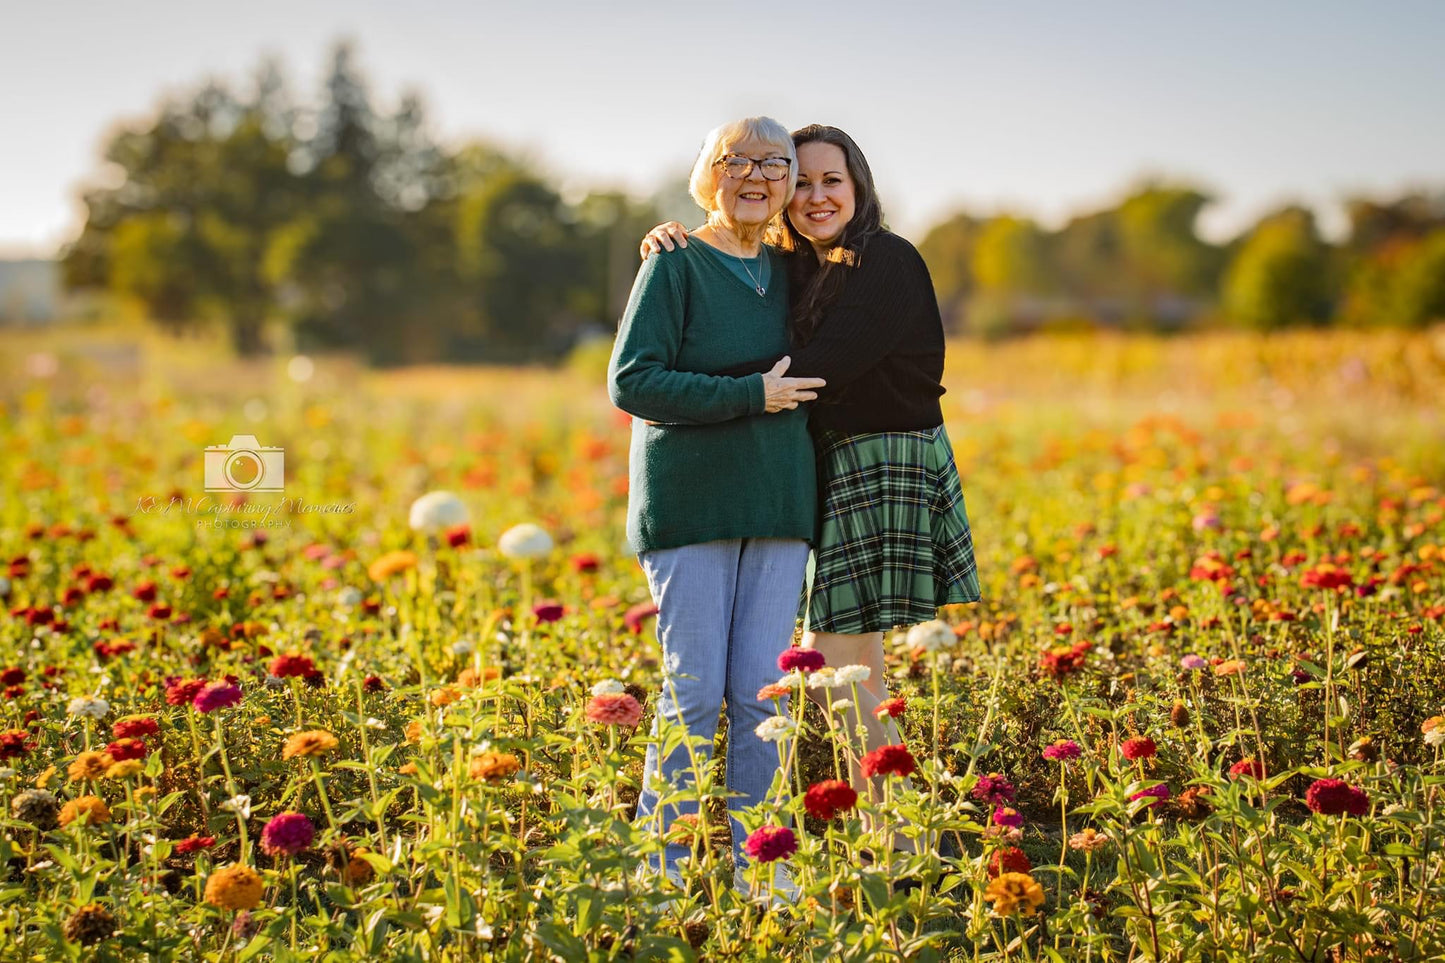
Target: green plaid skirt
894 542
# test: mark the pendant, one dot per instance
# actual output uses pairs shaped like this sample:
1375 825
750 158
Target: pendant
760 291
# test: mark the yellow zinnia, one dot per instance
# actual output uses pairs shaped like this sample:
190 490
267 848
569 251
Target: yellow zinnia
89 765
234 887
124 769
313 742
1014 892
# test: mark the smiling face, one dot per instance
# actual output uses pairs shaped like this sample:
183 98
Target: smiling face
752 201
824 201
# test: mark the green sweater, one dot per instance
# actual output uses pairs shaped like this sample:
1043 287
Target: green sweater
707 462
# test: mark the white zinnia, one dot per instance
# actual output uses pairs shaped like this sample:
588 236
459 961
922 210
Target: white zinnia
87 706
792 680
238 804
775 728
931 636
435 511
524 541
463 647
850 674
824 678
608 687
1436 736
350 597
842 705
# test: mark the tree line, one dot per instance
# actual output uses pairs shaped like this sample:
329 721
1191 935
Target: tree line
342 225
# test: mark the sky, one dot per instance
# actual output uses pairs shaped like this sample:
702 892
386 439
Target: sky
1039 108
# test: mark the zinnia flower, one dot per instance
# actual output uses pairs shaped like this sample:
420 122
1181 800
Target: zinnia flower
89 765
217 695
123 749
1065 659
124 769
775 728
135 727
92 806
889 760
1088 840
853 674
234 887
804 660
637 614
1247 767
1007 816
1014 892
1326 576
180 692
88 707
1192 662
437 510
292 664
994 789
893 708
1158 793
826 799
1229 667
389 564
195 843
37 807
90 924
1008 859
1062 751
768 843
614 710
1138 747
313 742
778 690
548 612
524 541
931 636
1335 797
287 834
1433 729
494 767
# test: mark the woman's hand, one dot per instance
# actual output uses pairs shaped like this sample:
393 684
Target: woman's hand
783 393
660 238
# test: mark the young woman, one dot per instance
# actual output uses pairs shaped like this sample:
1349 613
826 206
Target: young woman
894 540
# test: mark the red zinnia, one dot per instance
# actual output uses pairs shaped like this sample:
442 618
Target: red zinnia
194 843
1247 767
1138 747
548 612
217 695
12 676
1335 797
123 749
893 708
1009 859
826 799
1065 659
458 535
145 591
1326 576
889 760
135 728
293 664
180 692
768 843
584 562
15 742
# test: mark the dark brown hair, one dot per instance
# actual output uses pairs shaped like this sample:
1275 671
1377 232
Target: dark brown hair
816 287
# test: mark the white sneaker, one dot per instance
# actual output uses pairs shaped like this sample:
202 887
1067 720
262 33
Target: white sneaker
785 891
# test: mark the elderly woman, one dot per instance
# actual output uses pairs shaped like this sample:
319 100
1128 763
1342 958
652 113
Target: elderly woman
722 500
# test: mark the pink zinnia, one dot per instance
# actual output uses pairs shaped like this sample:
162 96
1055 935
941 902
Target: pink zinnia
1192 662
620 709
1008 816
769 843
287 834
994 788
1062 751
217 695
797 657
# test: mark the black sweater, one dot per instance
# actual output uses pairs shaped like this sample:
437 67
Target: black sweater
879 345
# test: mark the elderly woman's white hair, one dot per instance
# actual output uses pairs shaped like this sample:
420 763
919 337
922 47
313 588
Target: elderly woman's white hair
702 185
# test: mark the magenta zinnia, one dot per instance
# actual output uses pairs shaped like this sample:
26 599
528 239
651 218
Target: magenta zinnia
797 657
994 789
217 695
287 834
1062 751
769 843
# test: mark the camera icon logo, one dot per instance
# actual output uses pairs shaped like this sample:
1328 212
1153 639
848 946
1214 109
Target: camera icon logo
243 465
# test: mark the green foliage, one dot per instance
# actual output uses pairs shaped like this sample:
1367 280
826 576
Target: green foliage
1278 278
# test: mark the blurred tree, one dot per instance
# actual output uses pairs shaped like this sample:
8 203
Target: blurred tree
202 190
1418 292
948 251
1166 265
1279 277
1387 241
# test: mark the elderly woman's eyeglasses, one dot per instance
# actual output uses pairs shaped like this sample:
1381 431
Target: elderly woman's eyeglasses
737 166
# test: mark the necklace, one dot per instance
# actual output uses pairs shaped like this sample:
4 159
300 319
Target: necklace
757 285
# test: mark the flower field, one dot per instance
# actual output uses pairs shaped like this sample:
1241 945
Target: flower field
1199 714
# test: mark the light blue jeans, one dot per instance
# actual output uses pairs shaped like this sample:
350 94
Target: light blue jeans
726 609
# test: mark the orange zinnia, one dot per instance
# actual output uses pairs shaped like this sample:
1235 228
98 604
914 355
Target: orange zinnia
314 742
